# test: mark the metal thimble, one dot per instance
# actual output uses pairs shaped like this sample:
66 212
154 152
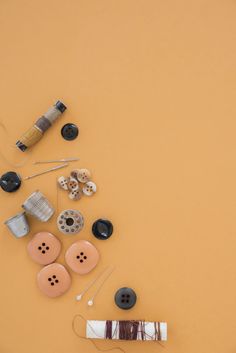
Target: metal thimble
18 225
37 205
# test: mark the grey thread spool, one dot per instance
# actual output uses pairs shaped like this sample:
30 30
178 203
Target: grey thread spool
35 133
18 225
37 205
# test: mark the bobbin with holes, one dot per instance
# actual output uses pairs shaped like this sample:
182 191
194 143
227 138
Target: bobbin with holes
70 222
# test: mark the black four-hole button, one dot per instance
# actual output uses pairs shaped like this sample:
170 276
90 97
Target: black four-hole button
102 229
125 298
10 181
69 131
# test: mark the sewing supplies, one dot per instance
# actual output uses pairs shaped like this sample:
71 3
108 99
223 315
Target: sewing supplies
91 300
73 187
102 229
72 184
53 280
125 298
47 171
10 181
90 188
70 222
82 257
89 285
78 184
44 248
128 330
35 133
69 131
18 225
82 175
37 205
72 159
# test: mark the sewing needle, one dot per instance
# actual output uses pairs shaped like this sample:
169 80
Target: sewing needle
47 171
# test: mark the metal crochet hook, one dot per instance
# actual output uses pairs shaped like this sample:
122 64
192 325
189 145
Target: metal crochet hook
72 159
47 171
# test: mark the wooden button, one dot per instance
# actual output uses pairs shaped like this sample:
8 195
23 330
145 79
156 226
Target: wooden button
82 257
82 175
53 280
75 195
90 188
44 248
73 184
63 182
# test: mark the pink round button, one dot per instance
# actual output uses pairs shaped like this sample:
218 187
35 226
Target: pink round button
44 248
82 257
53 280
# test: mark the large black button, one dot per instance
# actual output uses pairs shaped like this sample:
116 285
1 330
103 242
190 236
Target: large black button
69 131
10 181
102 229
125 298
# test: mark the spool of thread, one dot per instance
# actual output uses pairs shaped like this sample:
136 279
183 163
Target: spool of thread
35 133
129 330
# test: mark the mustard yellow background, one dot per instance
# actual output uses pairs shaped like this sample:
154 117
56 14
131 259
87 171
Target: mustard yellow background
152 86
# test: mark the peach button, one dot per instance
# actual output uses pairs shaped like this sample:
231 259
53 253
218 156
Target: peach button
53 280
82 257
44 248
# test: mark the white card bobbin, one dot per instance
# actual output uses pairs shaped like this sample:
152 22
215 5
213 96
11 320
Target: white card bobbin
147 331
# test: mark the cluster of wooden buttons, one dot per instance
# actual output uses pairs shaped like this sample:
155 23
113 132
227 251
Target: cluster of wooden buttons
78 184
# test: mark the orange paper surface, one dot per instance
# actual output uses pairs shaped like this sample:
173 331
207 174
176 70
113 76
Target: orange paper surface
151 85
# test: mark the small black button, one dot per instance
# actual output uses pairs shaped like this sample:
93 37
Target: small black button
125 298
102 229
10 181
69 131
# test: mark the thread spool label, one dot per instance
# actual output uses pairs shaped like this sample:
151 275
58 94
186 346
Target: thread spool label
30 137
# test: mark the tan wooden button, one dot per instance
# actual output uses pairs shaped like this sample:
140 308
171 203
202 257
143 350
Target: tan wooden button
82 175
53 280
73 184
75 195
82 257
44 248
63 182
89 188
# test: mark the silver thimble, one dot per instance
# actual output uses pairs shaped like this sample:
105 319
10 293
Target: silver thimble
37 205
18 225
